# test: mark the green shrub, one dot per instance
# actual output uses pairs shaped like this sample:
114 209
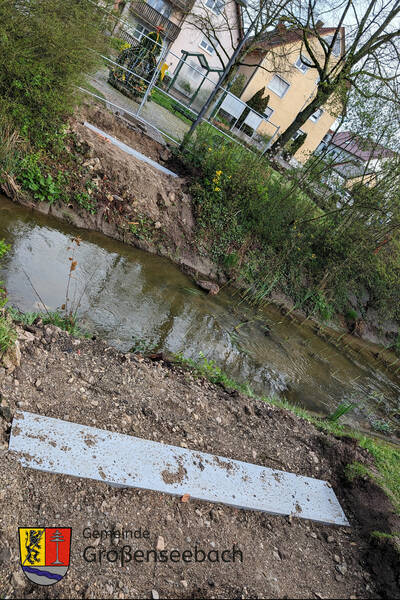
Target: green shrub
43 186
351 315
322 307
286 235
231 260
8 334
238 85
294 145
118 44
257 102
43 56
185 85
381 426
86 202
4 248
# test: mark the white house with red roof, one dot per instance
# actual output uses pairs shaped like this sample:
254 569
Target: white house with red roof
355 156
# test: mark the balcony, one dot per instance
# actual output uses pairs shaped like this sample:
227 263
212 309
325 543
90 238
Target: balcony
183 5
152 17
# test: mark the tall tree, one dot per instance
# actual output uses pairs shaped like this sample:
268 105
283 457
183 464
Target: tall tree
366 39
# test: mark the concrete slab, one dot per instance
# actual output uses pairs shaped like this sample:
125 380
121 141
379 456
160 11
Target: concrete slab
61 447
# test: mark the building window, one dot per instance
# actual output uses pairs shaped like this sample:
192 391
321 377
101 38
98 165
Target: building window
205 44
164 8
268 112
140 31
317 115
298 133
333 153
279 86
216 6
302 64
336 48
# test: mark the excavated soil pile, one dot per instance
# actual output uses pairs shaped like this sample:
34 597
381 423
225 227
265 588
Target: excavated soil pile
89 383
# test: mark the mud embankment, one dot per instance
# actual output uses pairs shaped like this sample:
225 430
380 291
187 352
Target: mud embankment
86 382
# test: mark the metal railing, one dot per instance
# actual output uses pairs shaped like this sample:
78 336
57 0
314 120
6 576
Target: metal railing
152 17
183 5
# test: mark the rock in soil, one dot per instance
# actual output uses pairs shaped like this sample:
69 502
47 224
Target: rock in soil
209 286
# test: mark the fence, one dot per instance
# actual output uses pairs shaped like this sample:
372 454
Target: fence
167 91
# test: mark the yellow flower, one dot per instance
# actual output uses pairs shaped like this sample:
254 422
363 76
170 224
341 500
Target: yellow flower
217 189
313 256
218 173
209 149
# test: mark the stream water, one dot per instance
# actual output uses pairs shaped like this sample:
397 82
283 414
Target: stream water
128 294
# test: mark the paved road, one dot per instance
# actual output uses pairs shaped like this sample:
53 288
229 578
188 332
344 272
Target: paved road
156 115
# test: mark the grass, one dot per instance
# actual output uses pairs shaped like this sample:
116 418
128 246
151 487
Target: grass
208 369
90 88
7 333
50 318
356 470
380 535
167 102
341 410
386 456
387 461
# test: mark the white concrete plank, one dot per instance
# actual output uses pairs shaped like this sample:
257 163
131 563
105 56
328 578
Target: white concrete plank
130 150
56 446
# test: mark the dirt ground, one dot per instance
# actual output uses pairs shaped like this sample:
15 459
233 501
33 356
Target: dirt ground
85 381
131 192
131 133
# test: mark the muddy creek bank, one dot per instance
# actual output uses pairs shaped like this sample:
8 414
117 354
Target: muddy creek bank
130 295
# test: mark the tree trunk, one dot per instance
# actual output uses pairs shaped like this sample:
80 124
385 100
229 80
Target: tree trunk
301 118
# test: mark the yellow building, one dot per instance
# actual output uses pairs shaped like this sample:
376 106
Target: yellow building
279 64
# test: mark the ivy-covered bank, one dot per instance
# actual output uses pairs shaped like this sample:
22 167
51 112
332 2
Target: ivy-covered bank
277 233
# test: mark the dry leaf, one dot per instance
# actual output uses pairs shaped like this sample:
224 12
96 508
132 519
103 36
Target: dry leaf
185 498
73 265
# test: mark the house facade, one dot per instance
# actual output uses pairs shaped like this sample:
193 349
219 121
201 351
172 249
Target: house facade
189 28
280 64
144 16
356 159
211 28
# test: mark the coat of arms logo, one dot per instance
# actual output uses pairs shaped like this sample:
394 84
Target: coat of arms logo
44 553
